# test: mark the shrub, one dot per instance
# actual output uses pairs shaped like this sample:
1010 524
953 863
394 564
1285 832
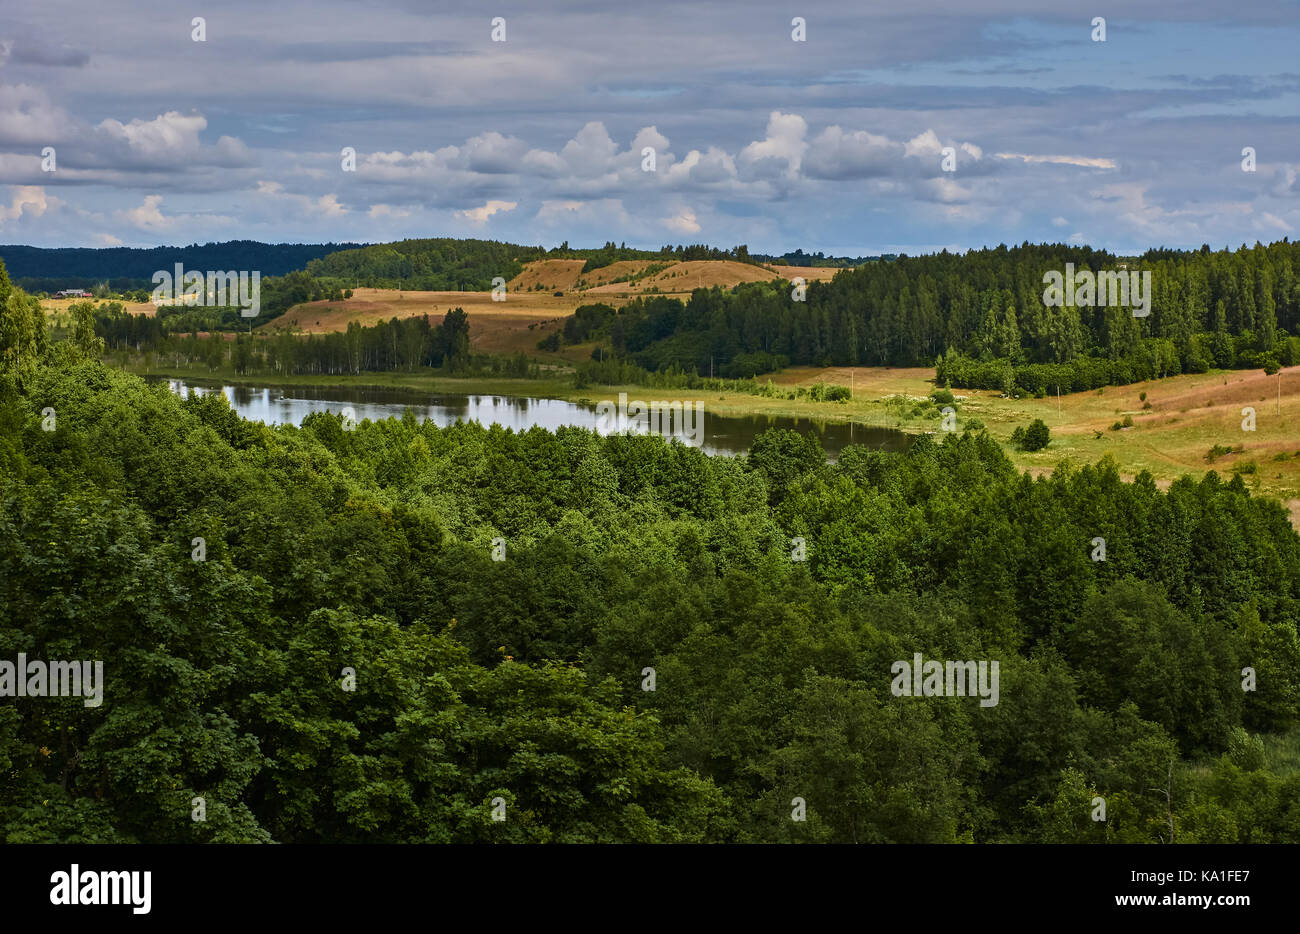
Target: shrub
1036 436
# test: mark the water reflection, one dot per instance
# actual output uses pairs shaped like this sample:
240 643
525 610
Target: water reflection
275 405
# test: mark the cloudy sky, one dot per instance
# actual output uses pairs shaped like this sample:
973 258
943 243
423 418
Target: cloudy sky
835 143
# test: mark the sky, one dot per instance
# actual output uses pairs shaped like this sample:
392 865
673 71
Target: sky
835 143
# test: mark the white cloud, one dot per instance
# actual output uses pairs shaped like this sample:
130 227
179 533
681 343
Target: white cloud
683 222
926 144
480 215
784 142
149 215
836 154
1084 161
27 199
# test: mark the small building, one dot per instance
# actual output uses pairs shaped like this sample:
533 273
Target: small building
72 293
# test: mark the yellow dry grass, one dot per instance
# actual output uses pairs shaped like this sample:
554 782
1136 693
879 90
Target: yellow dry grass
516 324
682 278
59 306
809 273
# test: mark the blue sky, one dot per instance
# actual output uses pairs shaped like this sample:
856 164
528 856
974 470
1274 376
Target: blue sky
834 144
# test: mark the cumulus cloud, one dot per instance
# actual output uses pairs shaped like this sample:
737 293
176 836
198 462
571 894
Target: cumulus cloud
149 215
29 117
835 155
27 200
170 139
780 151
480 215
683 222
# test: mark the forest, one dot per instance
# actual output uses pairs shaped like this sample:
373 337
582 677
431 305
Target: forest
40 269
980 317
391 631
398 344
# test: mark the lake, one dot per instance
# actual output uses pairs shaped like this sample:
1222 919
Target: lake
284 405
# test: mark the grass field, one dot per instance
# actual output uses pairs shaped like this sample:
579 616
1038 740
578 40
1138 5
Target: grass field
507 327
59 306
1174 428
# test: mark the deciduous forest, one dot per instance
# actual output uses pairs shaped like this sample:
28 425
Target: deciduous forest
338 633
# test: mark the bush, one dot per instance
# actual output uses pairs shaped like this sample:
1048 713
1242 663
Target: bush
943 397
1036 436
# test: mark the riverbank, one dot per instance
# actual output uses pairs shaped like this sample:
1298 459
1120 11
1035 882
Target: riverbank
1182 425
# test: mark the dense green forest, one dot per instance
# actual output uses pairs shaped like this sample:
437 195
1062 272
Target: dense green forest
981 315
399 344
389 626
40 269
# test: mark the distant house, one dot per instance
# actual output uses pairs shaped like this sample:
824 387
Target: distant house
72 293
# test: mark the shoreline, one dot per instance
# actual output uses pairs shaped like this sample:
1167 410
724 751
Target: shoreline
1175 422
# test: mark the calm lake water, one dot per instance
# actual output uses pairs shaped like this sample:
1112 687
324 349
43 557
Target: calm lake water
280 405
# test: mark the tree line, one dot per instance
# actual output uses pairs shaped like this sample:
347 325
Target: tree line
398 344
983 313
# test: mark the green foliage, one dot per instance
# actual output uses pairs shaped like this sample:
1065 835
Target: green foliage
1035 437
370 549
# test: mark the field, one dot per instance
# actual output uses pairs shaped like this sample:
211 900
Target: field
531 309
59 306
630 278
1174 428
516 324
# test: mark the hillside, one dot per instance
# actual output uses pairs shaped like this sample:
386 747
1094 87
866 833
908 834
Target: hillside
495 327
